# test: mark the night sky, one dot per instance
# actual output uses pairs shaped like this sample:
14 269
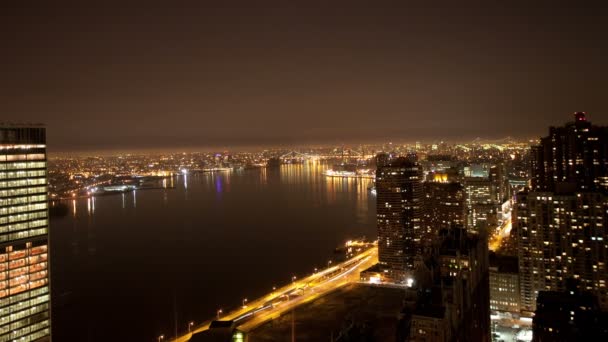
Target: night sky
169 76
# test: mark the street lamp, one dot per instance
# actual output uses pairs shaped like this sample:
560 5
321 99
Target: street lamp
161 337
244 301
328 263
190 326
219 311
293 279
315 270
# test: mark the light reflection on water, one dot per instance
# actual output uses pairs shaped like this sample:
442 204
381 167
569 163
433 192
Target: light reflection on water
213 239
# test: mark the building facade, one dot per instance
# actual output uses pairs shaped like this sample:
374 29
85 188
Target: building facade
464 270
562 222
453 304
574 156
24 235
480 202
399 215
561 236
504 283
444 206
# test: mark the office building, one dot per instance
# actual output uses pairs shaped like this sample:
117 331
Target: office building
504 283
399 215
24 243
480 202
444 206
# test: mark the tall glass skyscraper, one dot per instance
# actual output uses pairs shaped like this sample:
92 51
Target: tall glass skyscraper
24 236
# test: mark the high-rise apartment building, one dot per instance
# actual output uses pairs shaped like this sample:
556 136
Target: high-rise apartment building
561 236
574 156
399 214
24 254
562 224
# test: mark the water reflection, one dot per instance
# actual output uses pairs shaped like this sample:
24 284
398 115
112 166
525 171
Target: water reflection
267 223
321 190
218 185
91 205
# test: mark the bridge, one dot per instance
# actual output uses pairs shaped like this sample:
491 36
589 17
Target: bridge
299 156
280 301
342 153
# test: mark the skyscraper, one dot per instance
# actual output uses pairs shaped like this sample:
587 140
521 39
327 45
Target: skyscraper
481 206
444 206
562 223
561 236
574 156
24 267
399 215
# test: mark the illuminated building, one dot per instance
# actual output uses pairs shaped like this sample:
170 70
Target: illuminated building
444 205
561 223
574 156
481 207
504 283
24 276
500 184
399 215
561 236
476 171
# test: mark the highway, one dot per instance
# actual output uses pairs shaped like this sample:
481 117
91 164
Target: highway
301 291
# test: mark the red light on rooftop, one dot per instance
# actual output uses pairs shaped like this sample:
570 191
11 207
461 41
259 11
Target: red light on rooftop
580 116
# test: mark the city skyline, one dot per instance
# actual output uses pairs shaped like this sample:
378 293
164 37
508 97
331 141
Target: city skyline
157 76
561 178
306 171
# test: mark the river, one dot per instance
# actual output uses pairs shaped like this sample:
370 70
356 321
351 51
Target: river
123 265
